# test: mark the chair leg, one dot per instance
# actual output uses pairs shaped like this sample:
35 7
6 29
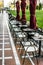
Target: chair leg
22 51
37 61
19 48
36 57
24 58
23 61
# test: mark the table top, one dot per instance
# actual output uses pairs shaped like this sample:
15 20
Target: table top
38 38
15 22
26 43
28 30
23 25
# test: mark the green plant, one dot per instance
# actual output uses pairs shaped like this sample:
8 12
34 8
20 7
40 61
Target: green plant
37 7
27 7
40 6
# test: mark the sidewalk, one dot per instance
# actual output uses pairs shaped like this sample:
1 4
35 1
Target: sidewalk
6 52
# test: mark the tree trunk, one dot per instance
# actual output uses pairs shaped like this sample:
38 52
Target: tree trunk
23 8
18 10
32 14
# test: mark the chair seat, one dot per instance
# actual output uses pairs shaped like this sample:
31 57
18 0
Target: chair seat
17 42
26 43
18 33
32 33
31 49
17 29
21 36
11 23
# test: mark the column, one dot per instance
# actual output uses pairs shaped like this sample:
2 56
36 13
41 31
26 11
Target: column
32 14
18 11
23 8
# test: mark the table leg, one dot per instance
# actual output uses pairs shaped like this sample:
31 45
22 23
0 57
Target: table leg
39 48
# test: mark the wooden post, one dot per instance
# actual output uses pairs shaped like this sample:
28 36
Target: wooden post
32 14
18 10
23 8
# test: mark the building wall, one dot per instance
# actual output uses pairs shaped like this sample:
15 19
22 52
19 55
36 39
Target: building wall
1 3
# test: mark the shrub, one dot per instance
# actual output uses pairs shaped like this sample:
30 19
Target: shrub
27 7
37 7
40 6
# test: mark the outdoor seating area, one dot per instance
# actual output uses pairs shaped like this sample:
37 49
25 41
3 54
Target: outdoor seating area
28 41
21 32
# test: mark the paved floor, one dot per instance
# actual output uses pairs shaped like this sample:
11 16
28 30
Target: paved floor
6 52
